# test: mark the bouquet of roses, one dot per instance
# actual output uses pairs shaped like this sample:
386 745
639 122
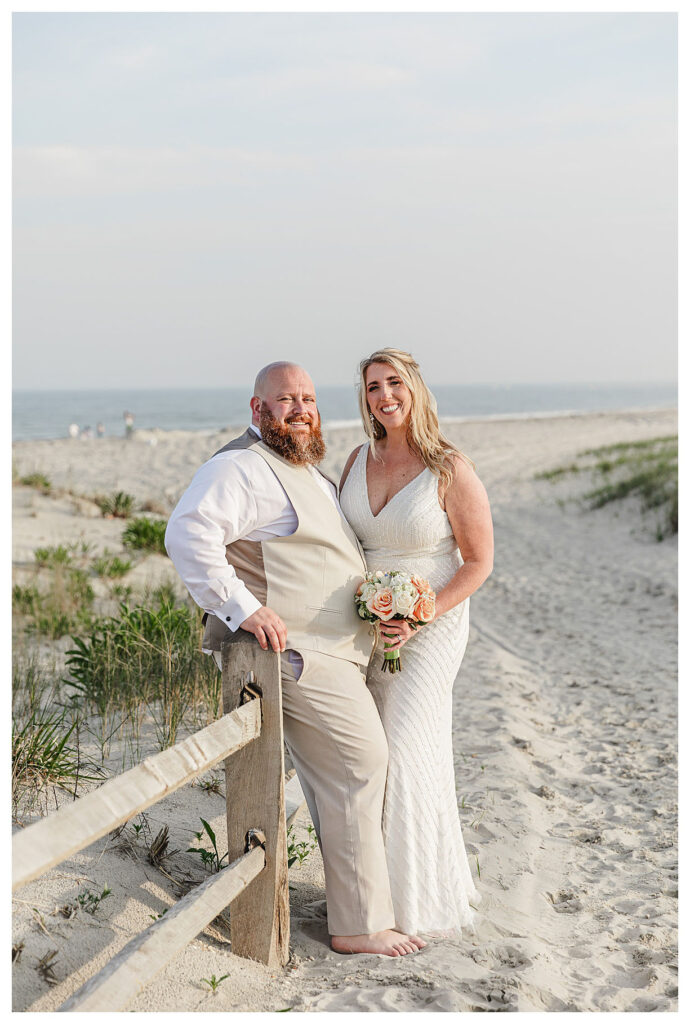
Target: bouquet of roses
395 595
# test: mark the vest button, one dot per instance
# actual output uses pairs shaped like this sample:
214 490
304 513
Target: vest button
227 618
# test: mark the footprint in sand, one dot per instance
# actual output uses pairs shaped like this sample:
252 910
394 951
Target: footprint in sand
565 902
511 956
495 993
391 998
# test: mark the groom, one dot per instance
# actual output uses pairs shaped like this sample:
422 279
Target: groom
262 545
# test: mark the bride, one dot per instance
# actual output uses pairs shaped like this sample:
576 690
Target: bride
416 504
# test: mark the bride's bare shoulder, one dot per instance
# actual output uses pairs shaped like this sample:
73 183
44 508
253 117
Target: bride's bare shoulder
348 465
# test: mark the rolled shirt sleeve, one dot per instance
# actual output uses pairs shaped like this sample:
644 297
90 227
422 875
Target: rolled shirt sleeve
218 507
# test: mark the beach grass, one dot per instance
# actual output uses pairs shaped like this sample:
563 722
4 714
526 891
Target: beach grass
38 480
57 605
111 566
49 557
647 470
146 661
115 506
44 747
145 534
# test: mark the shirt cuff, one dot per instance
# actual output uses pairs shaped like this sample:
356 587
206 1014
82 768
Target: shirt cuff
237 609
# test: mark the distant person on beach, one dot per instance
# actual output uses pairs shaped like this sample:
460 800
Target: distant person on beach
100 430
417 505
73 430
261 544
129 423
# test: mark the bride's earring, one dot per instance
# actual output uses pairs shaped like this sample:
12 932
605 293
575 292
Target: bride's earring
376 428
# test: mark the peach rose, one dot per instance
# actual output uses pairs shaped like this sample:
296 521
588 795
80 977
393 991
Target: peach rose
421 585
381 604
425 608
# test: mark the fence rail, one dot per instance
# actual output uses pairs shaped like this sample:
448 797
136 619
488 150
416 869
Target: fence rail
249 738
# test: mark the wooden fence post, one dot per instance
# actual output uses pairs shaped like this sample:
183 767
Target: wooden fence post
254 785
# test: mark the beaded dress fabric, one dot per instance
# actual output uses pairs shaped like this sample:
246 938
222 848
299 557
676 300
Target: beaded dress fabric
431 883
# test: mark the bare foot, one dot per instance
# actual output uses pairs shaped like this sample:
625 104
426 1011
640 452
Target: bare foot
390 942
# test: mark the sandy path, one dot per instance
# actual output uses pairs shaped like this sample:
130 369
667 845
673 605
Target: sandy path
565 741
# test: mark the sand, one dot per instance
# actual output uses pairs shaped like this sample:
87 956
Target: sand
564 735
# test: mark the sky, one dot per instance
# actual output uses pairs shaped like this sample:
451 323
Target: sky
195 195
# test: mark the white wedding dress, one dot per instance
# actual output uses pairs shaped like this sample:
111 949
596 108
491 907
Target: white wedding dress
431 883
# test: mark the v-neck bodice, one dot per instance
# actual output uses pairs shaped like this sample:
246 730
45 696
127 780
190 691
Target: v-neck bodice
411 531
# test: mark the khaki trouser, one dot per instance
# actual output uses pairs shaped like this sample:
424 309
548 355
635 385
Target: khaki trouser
336 741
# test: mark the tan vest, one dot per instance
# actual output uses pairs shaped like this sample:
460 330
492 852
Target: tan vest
308 578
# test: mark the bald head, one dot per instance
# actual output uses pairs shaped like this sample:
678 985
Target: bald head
286 390
269 375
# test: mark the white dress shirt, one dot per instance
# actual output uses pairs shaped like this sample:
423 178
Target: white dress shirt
233 496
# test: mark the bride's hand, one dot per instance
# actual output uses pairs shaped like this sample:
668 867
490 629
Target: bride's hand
397 632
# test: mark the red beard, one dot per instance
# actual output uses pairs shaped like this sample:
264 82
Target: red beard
295 448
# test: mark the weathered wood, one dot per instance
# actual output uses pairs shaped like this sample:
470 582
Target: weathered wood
46 843
260 916
294 800
133 967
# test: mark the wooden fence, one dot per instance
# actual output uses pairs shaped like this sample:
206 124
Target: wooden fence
249 738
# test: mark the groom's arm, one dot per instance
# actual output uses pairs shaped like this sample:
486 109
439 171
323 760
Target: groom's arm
229 498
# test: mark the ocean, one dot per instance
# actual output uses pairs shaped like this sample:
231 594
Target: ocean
48 414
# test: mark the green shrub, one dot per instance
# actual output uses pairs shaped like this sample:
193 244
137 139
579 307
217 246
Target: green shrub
111 566
38 480
145 534
64 607
52 556
24 599
115 506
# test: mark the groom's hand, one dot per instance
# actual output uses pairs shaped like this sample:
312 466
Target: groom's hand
268 628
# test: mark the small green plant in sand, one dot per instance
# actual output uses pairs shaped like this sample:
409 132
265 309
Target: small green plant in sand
41 755
63 604
49 557
111 566
211 859
90 900
122 592
554 474
211 785
42 752
145 535
38 480
213 982
115 506
646 469
299 851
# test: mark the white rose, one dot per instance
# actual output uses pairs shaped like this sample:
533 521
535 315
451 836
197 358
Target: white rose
404 600
368 591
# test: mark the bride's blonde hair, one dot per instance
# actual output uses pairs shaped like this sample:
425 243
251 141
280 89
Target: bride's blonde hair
423 432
